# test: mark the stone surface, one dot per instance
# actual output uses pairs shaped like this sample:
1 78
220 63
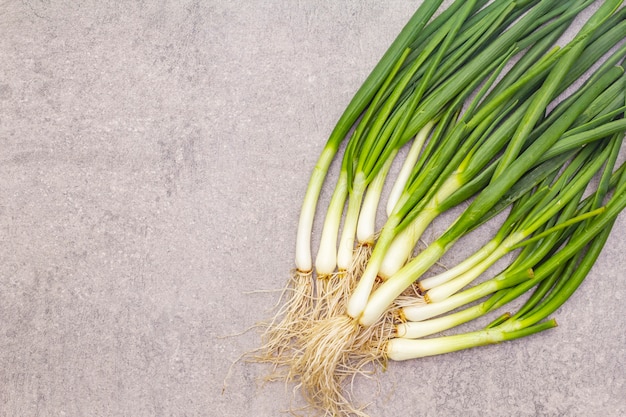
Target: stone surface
154 157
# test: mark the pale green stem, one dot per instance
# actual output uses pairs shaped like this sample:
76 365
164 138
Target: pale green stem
304 261
444 290
399 349
326 260
427 311
346 244
404 243
384 296
407 167
358 298
461 268
417 329
366 227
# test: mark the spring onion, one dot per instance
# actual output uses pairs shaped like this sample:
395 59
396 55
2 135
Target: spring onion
478 95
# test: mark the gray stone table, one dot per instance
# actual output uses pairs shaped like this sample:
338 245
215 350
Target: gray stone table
154 155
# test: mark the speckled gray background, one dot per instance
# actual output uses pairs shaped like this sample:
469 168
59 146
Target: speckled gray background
153 159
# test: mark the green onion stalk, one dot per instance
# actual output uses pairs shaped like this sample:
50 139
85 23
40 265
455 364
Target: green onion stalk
483 134
523 269
331 285
381 127
369 309
385 130
556 279
413 232
508 239
405 241
423 183
334 344
524 265
277 338
440 287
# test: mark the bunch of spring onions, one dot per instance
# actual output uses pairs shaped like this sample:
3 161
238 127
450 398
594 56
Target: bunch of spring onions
478 96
